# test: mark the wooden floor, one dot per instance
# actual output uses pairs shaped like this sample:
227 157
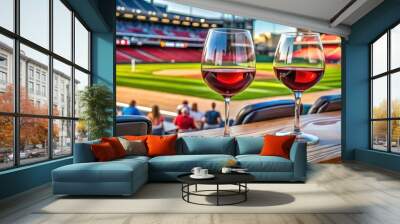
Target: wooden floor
378 189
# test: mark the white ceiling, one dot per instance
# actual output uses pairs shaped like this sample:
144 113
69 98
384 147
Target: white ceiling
317 15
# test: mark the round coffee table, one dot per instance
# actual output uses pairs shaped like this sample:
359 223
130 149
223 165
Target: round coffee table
238 179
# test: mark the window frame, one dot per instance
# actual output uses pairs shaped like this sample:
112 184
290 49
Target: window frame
16 113
388 74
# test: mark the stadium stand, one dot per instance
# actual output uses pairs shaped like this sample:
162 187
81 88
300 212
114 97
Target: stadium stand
148 33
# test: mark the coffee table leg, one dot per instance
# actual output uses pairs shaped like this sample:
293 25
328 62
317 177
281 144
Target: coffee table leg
245 193
217 194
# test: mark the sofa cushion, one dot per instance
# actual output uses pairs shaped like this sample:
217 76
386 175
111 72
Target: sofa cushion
249 145
112 171
206 145
277 145
185 163
134 147
161 145
257 163
116 145
103 152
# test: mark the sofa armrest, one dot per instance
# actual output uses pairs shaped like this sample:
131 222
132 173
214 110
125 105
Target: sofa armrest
298 155
83 152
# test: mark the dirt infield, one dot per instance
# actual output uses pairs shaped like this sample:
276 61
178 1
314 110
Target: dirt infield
168 101
196 73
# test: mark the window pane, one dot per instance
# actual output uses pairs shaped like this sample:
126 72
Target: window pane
62 29
395 47
6 142
62 138
81 82
379 135
7 14
35 21
6 74
379 55
62 89
395 136
81 45
379 98
81 131
34 97
395 94
33 139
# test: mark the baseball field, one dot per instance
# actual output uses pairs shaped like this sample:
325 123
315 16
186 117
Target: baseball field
185 79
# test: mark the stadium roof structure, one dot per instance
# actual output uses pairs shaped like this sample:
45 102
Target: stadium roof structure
326 16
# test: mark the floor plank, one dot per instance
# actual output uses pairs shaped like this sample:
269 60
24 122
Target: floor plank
377 190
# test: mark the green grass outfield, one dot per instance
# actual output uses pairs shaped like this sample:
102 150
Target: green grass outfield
143 78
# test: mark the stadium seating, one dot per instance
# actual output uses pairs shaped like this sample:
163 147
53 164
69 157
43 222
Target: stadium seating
161 29
122 58
158 54
137 54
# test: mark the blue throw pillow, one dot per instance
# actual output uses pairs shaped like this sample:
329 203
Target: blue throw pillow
249 145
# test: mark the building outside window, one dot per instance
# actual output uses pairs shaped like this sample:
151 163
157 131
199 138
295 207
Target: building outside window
30 87
385 95
34 78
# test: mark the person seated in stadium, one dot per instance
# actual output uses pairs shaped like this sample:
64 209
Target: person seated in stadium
131 110
197 116
185 104
157 120
184 121
212 118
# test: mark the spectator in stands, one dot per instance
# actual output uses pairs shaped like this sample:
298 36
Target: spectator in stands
212 118
197 116
184 121
185 104
131 110
157 120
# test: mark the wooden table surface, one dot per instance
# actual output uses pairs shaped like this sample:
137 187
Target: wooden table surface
327 126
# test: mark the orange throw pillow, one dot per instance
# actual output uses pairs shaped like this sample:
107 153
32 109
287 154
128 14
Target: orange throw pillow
135 138
116 145
277 145
103 152
161 145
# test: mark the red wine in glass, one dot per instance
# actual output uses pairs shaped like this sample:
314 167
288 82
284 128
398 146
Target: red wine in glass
228 64
297 78
228 81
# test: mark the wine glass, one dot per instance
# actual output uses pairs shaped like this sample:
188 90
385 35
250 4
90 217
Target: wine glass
228 64
299 64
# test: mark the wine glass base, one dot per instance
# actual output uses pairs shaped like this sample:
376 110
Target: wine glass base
301 136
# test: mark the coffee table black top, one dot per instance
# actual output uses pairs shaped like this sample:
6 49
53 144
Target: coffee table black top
220 178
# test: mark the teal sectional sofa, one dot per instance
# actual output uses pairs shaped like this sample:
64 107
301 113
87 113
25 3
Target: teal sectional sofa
125 176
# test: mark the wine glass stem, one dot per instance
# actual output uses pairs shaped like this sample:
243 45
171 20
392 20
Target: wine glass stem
226 127
297 111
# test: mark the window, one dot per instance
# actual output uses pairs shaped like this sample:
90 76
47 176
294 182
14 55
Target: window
3 78
62 74
7 14
385 95
30 87
35 21
30 72
62 29
47 75
81 45
7 73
